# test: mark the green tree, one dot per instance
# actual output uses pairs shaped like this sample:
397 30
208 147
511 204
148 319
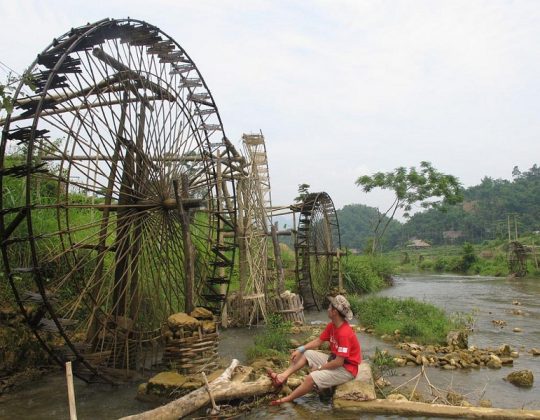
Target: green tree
303 191
425 186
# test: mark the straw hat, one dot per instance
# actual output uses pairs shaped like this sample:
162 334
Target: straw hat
342 305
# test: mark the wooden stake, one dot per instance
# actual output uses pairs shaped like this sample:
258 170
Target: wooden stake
71 392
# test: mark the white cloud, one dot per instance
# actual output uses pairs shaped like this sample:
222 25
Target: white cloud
345 87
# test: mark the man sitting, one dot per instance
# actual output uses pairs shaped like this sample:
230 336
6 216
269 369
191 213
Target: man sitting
326 371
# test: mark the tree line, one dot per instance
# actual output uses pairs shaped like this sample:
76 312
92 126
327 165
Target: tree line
482 212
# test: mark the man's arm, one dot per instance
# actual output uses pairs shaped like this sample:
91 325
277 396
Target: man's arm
313 344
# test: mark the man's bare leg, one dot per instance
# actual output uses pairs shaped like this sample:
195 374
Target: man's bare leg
297 365
305 387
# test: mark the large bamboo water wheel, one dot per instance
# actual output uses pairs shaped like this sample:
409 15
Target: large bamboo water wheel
317 249
118 204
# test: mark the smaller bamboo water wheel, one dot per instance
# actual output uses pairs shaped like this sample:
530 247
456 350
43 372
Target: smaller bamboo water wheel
517 259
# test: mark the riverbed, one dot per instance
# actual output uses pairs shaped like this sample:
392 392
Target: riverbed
487 297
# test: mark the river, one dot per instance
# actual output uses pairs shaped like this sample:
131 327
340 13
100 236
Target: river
489 298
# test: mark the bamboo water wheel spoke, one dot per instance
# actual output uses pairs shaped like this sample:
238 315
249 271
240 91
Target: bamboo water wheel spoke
91 221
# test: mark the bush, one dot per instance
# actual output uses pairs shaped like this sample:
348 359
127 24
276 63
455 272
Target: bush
366 273
420 321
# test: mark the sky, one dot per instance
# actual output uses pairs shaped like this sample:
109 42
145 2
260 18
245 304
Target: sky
342 88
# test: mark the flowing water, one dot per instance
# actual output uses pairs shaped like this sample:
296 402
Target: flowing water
489 298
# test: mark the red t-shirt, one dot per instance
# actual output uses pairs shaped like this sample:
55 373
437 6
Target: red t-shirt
344 343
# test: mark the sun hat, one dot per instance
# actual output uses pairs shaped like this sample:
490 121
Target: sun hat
342 305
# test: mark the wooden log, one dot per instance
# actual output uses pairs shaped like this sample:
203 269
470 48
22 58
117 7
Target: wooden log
221 388
410 408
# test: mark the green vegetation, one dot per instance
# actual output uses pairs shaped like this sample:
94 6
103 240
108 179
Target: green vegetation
487 259
383 364
273 341
417 321
366 273
487 213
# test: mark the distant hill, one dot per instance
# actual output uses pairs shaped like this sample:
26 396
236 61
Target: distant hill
485 211
484 214
356 223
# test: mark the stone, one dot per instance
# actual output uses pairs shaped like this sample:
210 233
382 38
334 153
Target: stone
517 312
505 350
208 327
382 382
517 329
165 383
459 339
535 352
396 397
296 330
514 354
521 378
182 320
485 403
516 302
494 362
359 389
202 313
399 361
448 367
507 361
465 403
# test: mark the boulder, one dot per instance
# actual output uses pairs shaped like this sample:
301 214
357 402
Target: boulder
165 383
202 313
182 320
457 339
522 378
359 389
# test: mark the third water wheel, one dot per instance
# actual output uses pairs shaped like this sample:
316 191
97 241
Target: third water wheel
317 249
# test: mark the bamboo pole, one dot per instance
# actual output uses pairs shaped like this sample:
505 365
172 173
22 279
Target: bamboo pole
279 262
189 265
71 392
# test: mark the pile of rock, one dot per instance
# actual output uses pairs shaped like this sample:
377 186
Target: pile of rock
451 357
191 341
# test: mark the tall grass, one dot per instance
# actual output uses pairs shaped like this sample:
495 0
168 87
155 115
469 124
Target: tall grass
418 321
366 273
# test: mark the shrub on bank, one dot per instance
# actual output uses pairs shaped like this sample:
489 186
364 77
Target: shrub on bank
418 321
366 273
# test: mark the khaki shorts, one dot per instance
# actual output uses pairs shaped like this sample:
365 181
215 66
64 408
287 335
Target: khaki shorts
329 377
